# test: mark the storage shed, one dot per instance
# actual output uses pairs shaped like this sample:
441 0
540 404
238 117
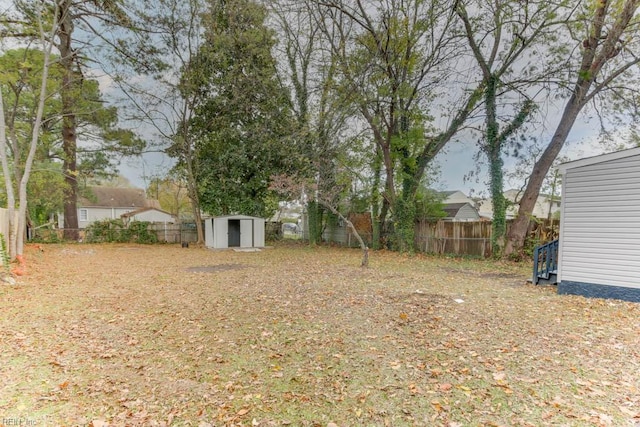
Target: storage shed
599 253
234 231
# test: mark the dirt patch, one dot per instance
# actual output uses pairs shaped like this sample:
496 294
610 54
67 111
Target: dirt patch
215 268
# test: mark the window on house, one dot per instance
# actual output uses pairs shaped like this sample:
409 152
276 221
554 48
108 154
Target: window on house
84 215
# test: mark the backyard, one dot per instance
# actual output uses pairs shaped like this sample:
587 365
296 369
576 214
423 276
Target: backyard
115 335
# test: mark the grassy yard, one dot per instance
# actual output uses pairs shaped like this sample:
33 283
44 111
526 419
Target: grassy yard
128 335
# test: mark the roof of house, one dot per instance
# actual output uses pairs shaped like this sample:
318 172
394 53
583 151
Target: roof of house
447 193
141 210
452 209
114 197
599 159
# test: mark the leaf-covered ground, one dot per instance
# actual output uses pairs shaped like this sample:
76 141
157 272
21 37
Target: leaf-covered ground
160 335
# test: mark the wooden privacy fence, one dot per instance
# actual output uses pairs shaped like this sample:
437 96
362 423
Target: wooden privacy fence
454 237
474 237
445 237
175 233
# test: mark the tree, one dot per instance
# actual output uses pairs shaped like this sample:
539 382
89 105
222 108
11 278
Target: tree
242 122
165 100
96 126
505 41
96 19
394 59
604 66
171 193
289 186
16 241
321 111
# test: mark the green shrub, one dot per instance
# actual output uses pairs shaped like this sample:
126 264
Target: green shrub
115 231
138 232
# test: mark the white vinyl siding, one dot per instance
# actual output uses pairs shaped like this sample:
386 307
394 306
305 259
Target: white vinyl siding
600 233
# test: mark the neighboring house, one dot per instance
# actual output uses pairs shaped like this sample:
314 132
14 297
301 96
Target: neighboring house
149 215
544 204
455 196
460 212
109 203
599 253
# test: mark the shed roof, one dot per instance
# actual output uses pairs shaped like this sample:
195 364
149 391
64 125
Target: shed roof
599 159
114 197
237 217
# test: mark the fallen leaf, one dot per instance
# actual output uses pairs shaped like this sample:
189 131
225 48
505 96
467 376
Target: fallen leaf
445 387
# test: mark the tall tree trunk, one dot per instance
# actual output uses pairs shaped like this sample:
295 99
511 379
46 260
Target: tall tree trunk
599 48
11 200
518 231
192 188
70 85
375 200
493 150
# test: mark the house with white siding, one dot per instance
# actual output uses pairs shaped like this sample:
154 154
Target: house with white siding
102 203
149 214
599 252
547 206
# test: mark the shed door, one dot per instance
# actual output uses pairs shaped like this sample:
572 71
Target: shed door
246 233
234 233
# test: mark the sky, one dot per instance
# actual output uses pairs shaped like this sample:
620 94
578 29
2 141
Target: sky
459 159
456 161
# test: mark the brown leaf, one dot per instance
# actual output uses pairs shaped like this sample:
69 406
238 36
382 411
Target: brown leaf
445 387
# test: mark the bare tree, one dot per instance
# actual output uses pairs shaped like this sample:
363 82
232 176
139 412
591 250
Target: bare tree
605 66
289 185
505 40
309 68
394 59
162 99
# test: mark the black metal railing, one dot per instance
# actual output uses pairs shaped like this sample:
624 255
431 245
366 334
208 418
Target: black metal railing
545 261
